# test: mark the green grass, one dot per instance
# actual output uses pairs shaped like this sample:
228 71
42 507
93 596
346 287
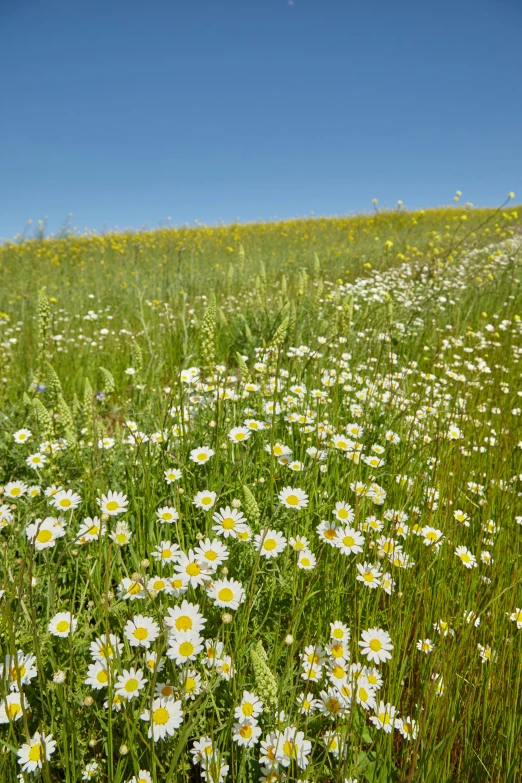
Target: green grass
405 324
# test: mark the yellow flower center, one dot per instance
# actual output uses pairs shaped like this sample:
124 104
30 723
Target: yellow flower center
193 569
160 716
368 576
384 717
44 536
338 633
159 584
93 530
290 749
35 753
112 505
131 685
333 705
184 623
134 588
102 676
292 500
207 501
248 709
166 553
348 540
140 633
330 534
228 523
270 544
375 645
190 684
338 672
15 491
186 649
65 502
62 626
210 554
246 731
202 456
13 709
225 594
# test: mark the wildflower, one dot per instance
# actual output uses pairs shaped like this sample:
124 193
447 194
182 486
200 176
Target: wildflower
516 617
239 434
142 777
104 648
66 500
365 694
32 754
166 552
15 489
369 575
211 553
186 617
141 631
90 530
246 733
36 461
344 512
306 560
167 514
184 646
189 567
91 770
164 717
270 543
425 646
229 522
204 500
121 534
468 560
97 675
62 624
291 745
11 709
171 475
328 532
349 541
408 728
293 498
22 436
201 455
129 683
44 533
384 717
376 645
113 503
227 593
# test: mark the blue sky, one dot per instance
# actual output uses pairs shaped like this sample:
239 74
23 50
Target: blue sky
127 113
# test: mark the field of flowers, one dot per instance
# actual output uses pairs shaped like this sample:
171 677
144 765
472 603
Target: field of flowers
261 502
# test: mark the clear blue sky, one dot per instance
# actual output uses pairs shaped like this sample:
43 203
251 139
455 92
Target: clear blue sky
126 112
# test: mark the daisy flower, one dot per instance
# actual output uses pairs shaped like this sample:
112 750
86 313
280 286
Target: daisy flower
229 522
167 514
97 675
22 436
141 631
408 728
36 461
211 553
90 530
188 566
251 707
328 532
62 624
142 777
293 498
376 645
204 499
44 533
246 733
32 754
365 694
184 646
270 543
201 455
349 541
344 512
306 560
165 716
15 489
113 503
239 434
369 575
105 648
339 631
121 534
129 683
66 500
12 708
385 717
186 617
166 552
171 475
291 745
467 558
226 593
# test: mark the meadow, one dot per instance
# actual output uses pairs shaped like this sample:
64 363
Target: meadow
260 502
